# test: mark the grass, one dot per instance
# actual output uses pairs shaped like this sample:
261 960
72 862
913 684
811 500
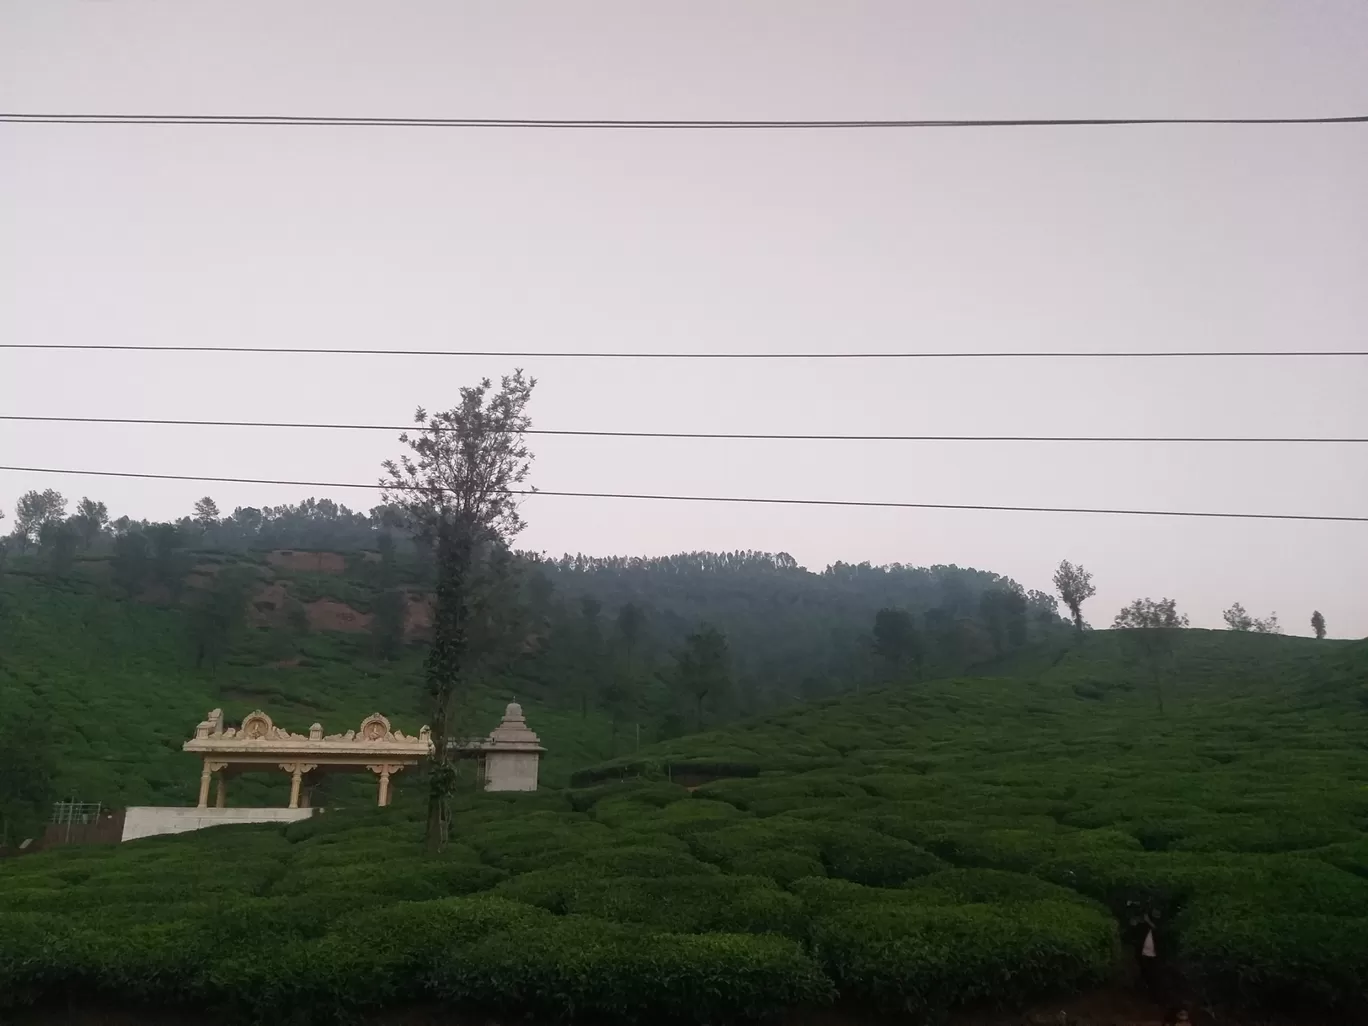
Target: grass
921 848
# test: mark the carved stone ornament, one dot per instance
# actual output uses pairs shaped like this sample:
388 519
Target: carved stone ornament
374 728
257 726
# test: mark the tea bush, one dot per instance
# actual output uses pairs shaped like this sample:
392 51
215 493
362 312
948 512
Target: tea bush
919 848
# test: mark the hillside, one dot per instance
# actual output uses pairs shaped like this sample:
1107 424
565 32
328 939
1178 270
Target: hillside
113 686
920 848
114 653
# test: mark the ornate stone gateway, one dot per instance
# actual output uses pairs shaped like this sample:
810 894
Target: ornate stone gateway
260 745
507 759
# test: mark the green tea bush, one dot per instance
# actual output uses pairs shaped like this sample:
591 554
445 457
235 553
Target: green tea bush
411 879
868 857
694 903
926 960
989 887
379 960
1273 960
604 972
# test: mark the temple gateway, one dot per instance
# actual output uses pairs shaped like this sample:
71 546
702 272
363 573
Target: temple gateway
507 759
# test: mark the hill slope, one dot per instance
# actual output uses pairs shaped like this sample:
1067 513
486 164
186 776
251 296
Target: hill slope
916 849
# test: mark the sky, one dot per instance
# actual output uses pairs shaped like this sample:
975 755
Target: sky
1191 237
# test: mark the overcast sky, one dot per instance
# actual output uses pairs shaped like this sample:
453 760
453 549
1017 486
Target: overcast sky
1198 237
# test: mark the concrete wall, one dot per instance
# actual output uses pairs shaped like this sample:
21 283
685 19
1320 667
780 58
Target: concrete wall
511 771
148 820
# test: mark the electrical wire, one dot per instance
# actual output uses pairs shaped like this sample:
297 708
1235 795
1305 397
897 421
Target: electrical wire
529 354
653 124
710 435
716 498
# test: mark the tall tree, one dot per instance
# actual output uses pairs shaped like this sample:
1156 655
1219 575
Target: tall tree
457 488
897 642
58 541
1075 587
33 510
206 512
1318 625
1149 626
132 564
27 771
703 670
217 615
89 521
1003 613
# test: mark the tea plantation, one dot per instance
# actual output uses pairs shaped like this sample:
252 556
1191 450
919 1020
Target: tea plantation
916 849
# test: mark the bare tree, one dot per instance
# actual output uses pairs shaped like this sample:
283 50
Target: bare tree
458 490
1075 587
1318 625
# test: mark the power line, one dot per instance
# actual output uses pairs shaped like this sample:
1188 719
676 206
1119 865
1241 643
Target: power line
717 498
711 435
529 354
606 123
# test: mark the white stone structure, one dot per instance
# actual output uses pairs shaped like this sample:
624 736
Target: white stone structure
510 757
260 745
149 820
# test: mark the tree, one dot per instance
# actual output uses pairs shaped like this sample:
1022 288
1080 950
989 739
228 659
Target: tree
896 640
33 510
1003 612
1149 627
206 512
1075 587
456 488
703 668
89 521
1318 625
58 541
27 772
1238 620
217 615
1145 612
131 565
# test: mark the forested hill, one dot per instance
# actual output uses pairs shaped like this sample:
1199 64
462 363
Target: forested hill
793 633
117 636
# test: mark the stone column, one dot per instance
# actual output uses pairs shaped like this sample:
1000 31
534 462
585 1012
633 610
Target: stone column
296 778
204 786
221 796
383 770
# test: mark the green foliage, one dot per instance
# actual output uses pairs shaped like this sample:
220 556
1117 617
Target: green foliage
607 972
961 842
925 960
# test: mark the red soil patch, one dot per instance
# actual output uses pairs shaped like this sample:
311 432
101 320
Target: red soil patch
417 615
313 562
268 602
331 615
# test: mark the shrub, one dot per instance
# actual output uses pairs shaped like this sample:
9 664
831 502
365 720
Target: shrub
696 903
382 958
614 973
926 960
412 879
1298 963
867 857
988 886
